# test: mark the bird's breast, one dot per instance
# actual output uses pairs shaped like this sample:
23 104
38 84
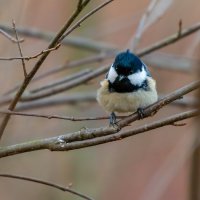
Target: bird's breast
126 102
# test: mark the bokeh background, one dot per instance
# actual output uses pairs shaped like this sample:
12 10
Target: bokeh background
153 165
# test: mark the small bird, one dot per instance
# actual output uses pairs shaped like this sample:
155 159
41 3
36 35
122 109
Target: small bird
128 87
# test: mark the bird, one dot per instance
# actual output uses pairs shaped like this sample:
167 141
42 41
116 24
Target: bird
127 87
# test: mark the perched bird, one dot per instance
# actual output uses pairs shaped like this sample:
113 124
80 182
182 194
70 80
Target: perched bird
128 86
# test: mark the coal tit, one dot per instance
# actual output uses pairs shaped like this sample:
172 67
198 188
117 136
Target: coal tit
128 86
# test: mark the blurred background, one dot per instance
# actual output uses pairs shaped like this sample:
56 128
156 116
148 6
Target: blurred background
153 165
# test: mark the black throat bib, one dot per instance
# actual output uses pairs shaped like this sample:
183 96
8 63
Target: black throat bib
125 86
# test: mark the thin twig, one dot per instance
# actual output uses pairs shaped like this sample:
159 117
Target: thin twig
180 26
163 61
83 61
138 34
56 116
54 101
89 137
77 24
31 57
59 143
62 81
80 98
34 180
28 79
171 62
94 74
20 50
10 37
58 89
124 134
170 40
158 45
88 60
54 43
74 41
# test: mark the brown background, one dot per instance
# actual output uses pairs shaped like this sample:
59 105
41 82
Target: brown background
136 168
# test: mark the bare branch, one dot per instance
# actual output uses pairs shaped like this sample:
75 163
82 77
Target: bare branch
60 36
62 81
34 180
68 85
75 41
50 116
90 137
20 50
122 135
180 27
59 143
173 62
10 37
77 24
79 3
89 97
28 79
88 60
32 57
158 45
169 40
61 100
135 40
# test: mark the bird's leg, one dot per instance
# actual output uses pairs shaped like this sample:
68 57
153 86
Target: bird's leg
140 112
113 119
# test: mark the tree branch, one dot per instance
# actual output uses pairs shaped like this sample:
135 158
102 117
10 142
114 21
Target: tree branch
55 116
31 57
158 45
141 26
9 36
169 40
74 41
77 24
62 80
59 144
59 187
121 135
89 97
88 60
20 50
89 137
28 78
55 42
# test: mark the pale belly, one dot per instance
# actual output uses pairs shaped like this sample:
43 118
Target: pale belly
125 102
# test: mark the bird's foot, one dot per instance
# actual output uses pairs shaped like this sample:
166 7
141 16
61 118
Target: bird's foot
140 112
113 120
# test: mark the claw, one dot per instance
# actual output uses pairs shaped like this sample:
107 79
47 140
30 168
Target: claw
113 120
140 112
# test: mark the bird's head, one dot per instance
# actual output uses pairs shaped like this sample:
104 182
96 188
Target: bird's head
127 71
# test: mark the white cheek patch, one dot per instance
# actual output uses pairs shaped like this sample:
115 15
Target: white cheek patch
112 74
138 78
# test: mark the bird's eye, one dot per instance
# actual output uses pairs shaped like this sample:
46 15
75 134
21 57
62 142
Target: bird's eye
131 72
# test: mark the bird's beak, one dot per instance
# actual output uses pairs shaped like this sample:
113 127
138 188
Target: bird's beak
121 77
